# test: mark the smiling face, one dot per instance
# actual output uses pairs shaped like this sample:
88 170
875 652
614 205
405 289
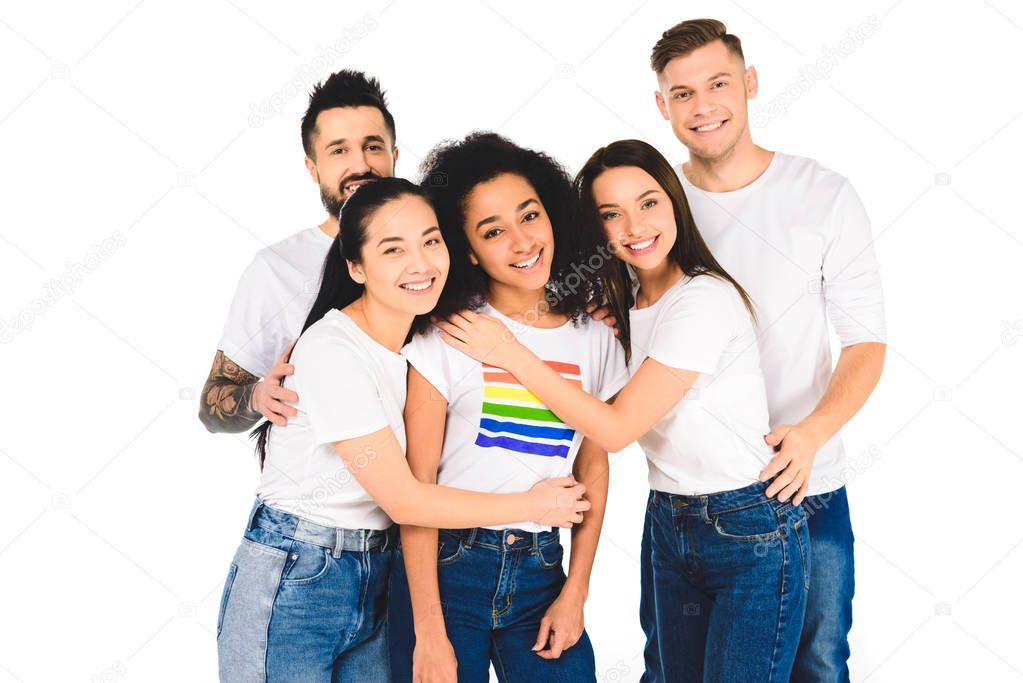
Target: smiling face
509 232
404 259
637 215
352 146
703 94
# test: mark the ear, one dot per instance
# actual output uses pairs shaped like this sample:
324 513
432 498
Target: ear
751 83
356 272
472 258
661 104
310 166
395 161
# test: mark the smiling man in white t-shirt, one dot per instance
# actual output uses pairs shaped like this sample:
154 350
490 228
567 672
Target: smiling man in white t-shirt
349 139
797 238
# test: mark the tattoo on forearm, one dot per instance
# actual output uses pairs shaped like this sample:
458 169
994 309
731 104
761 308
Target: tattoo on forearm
224 404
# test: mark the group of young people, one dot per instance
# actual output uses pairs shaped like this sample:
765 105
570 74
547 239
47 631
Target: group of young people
470 348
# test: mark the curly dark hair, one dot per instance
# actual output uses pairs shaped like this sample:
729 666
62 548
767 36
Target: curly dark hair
450 172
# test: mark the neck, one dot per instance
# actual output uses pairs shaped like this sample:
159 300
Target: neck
384 325
735 169
654 282
527 306
330 227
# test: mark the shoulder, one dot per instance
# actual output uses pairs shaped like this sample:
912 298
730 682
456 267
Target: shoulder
811 175
331 335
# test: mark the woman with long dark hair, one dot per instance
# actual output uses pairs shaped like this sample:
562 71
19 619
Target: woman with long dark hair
509 217
305 595
725 568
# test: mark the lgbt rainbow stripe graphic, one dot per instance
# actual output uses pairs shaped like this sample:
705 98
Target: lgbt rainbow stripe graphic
514 419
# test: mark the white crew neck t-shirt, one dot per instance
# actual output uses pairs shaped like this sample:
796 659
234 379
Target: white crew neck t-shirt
349 385
499 437
798 240
713 439
273 300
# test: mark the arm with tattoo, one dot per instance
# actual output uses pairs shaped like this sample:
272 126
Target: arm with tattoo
225 403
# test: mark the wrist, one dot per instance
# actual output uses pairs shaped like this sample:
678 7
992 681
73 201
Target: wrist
817 429
431 630
577 591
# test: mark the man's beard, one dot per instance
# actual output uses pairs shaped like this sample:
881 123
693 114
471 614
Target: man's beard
334 200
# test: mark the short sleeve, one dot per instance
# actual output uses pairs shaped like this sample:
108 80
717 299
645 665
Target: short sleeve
613 373
251 338
694 328
336 389
851 273
428 354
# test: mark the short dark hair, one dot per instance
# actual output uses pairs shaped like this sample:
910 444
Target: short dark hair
346 88
681 39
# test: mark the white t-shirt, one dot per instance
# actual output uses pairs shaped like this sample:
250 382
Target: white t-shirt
798 240
273 299
713 439
499 437
348 385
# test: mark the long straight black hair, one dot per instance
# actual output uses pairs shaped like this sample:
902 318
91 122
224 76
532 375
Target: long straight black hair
689 252
337 288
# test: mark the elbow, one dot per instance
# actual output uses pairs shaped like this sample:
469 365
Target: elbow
613 442
400 513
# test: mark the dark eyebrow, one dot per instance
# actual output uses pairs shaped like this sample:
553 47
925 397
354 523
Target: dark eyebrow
712 78
611 206
368 138
519 207
402 239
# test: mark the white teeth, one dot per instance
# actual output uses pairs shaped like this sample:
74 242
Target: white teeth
417 286
636 246
710 127
527 264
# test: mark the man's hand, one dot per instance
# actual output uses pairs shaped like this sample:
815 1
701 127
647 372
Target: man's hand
603 314
433 660
561 626
268 397
797 446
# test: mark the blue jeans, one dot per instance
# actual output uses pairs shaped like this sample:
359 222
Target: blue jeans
724 584
495 586
824 646
305 602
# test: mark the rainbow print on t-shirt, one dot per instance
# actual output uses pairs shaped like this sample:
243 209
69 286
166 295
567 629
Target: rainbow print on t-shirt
514 419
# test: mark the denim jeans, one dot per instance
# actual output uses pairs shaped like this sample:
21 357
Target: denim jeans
305 602
724 585
495 586
824 645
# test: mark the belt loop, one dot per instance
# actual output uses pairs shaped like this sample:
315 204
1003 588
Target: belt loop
256 507
470 537
535 545
364 535
339 543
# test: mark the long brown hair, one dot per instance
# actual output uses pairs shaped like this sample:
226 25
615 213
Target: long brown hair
689 252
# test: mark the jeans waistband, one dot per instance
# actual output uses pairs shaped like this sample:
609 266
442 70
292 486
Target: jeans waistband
711 503
335 538
505 539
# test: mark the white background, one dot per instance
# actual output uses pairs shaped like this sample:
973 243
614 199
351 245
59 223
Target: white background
133 123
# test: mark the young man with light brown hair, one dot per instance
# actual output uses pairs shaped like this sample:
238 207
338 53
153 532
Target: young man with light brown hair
797 238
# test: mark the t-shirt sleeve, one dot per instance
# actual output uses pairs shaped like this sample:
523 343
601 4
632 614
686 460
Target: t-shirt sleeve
337 390
851 273
612 372
694 328
429 355
251 338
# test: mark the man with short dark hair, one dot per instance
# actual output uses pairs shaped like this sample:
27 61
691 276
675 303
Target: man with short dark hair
797 238
349 139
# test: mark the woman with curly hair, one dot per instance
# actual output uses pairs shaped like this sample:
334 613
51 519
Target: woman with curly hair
497 594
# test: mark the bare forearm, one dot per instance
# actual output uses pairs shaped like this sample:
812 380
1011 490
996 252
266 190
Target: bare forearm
419 547
593 470
856 374
443 507
224 405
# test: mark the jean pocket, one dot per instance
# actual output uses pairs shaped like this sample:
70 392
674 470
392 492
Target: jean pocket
449 548
306 563
802 534
550 555
755 523
231 573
